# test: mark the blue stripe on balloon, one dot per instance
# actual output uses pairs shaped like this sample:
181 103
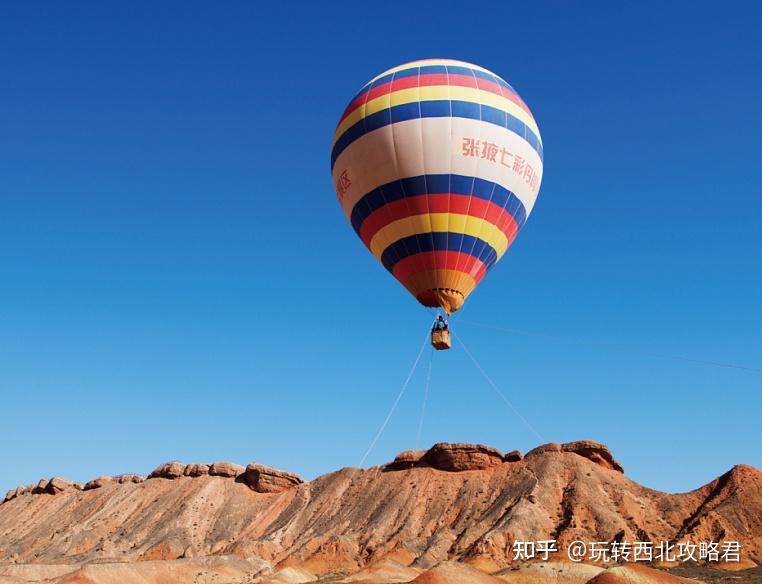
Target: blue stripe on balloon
435 109
439 241
433 184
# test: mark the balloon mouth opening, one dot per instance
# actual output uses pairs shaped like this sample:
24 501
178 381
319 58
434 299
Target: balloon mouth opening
448 299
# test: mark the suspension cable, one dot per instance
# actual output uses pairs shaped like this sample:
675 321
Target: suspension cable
612 347
396 401
496 388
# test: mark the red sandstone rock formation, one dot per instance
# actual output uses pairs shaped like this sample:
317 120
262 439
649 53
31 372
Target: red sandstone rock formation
460 457
264 479
453 503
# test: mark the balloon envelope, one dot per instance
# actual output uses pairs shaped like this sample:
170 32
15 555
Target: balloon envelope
437 165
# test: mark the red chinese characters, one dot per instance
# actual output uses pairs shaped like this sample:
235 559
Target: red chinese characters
470 147
491 152
343 184
506 157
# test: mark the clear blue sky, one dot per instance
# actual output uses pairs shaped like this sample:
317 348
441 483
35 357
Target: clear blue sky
177 280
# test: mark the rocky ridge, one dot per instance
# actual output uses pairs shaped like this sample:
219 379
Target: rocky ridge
450 457
462 503
258 477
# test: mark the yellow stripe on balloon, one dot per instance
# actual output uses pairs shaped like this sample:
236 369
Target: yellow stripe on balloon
438 222
435 93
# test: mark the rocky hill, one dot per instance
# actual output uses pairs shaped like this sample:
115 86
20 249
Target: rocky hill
449 514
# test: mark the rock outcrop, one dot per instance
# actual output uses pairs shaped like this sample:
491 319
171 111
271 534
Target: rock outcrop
451 457
196 470
58 485
225 469
461 457
264 479
168 470
13 493
175 470
129 478
259 478
512 456
97 483
51 486
593 451
405 460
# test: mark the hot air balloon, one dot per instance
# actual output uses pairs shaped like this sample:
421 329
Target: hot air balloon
437 165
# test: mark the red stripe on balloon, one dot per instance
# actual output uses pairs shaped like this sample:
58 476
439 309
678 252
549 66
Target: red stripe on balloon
438 203
434 79
439 260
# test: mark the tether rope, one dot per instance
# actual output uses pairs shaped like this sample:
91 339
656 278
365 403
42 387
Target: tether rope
496 388
396 401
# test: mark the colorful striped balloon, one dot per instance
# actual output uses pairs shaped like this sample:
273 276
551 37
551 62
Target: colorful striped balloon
437 164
